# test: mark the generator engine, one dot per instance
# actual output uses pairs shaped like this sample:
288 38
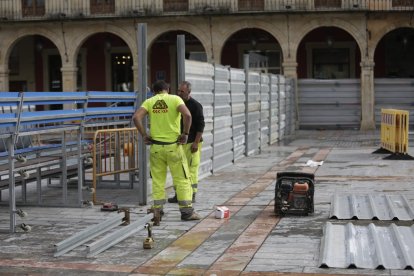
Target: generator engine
294 193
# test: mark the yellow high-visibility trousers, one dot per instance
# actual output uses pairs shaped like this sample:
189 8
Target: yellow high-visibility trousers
172 157
193 160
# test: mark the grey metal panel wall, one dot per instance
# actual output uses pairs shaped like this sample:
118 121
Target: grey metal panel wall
223 132
282 106
242 115
273 109
253 119
288 108
395 94
329 103
264 109
200 75
379 247
238 98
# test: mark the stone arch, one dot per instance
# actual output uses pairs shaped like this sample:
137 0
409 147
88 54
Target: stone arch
8 44
233 28
80 38
352 30
393 52
376 38
181 26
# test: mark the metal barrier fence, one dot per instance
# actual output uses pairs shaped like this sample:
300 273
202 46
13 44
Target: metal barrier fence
60 147
394 130
11 10
244 111
115 152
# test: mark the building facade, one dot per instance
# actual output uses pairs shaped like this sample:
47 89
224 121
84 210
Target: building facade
350 57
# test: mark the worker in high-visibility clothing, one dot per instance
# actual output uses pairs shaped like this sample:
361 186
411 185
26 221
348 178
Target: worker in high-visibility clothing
166 151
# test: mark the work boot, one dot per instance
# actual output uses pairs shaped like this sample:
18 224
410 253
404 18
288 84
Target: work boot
194 195
158 213
173 199
157 217
193 216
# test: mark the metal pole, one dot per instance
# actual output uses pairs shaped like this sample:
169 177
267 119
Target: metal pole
12 194
117 236
180 58
280 107
270 109
142 95
87 234
260 113
81 172
246 120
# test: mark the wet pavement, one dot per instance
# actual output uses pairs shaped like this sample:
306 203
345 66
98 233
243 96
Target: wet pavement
253 241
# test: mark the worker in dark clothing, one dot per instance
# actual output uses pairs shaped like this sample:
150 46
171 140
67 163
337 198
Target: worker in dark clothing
194 143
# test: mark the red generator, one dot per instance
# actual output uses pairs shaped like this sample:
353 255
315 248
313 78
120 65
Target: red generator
294 193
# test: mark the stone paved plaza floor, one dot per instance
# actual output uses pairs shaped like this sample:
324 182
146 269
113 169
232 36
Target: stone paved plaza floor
253 241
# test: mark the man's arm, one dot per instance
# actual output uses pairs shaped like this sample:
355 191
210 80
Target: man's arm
185 113
197 139
199 120
137 119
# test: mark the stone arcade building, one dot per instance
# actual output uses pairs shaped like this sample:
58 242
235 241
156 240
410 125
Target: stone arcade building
350 57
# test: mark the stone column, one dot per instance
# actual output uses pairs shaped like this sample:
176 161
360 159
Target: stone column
290 69
69 81
69 78
367 95
4 78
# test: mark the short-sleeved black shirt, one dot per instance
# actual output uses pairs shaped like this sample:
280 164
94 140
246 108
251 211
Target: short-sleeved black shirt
197 121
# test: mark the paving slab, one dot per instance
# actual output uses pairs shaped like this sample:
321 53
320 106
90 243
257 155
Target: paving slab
252 242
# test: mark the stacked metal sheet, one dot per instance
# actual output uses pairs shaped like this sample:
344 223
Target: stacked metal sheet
374 246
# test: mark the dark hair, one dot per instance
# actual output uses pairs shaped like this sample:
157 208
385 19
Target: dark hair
187 84
159 86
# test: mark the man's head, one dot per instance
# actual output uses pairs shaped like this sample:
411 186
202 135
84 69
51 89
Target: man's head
160 86
184 90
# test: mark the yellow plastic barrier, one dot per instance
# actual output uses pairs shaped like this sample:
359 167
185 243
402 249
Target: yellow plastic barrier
394 130
115 151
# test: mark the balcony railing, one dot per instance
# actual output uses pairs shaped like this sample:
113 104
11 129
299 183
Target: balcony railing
20 10
175 5
102 6
328 4
251 5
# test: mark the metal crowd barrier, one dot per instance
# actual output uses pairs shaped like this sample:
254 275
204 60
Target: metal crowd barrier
50 155
394 131
115 152
60 147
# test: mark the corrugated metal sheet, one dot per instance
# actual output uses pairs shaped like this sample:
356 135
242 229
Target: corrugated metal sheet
274 109
243 113
282 106
253 116
264 109
374 247
222 120
238 114
371 206
201 75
